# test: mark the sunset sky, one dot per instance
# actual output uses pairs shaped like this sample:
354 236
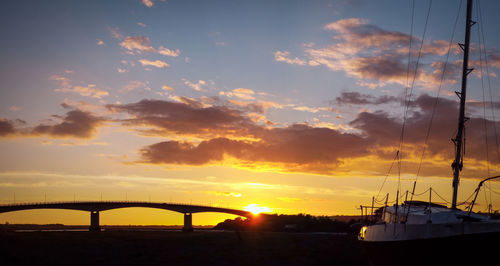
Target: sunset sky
292 105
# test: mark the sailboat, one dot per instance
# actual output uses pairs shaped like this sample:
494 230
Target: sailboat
416 231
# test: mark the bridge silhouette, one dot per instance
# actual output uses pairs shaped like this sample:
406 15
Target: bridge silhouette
94 207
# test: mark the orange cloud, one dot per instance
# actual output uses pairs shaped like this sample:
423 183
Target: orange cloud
147 3
134 85
167 88
138 44
90 90
66 85
167 52
156 63
225 193
242 93
115 33
198 86
284 56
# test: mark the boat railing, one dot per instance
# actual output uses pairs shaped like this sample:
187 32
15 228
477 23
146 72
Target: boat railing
477 192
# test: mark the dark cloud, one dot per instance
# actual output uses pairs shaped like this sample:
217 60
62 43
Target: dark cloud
480 105
296 144
386 67
301 143
174 152
358 31
75 124
378 56
357 98
494 60
384 130
11 127
305 148
365 51
186 118
6 128
374 55
452 72
222 129
297 147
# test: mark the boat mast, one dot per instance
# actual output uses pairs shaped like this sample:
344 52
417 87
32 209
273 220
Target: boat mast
459 139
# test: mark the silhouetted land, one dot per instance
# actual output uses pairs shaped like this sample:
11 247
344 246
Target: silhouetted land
176 248
293 223
268 240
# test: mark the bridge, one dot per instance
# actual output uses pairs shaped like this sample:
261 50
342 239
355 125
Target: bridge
94 207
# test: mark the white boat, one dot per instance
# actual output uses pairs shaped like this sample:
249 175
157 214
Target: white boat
421 221
418 232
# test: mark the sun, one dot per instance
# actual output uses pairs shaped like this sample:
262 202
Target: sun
255 209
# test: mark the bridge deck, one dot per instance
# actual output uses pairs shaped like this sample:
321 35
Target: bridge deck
109 205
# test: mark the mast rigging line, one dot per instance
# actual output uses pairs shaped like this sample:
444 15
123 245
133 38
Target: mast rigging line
483 52
409 45
476 192
387 175
382 201
409 96
496 192
485 126
436 100
438 93
407 99
488 78
439 196
419 194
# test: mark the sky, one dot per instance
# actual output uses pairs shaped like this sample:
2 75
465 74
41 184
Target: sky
294 106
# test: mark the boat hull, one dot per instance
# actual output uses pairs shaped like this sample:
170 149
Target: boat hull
403 232
465 248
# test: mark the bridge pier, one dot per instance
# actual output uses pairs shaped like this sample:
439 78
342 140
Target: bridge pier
188 222
94 221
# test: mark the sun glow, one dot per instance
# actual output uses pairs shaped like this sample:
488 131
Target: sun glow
255 209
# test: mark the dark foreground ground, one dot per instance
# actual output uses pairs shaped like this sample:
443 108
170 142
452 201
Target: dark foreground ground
202 247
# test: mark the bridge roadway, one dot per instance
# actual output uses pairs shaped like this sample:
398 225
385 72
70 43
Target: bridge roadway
94 207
